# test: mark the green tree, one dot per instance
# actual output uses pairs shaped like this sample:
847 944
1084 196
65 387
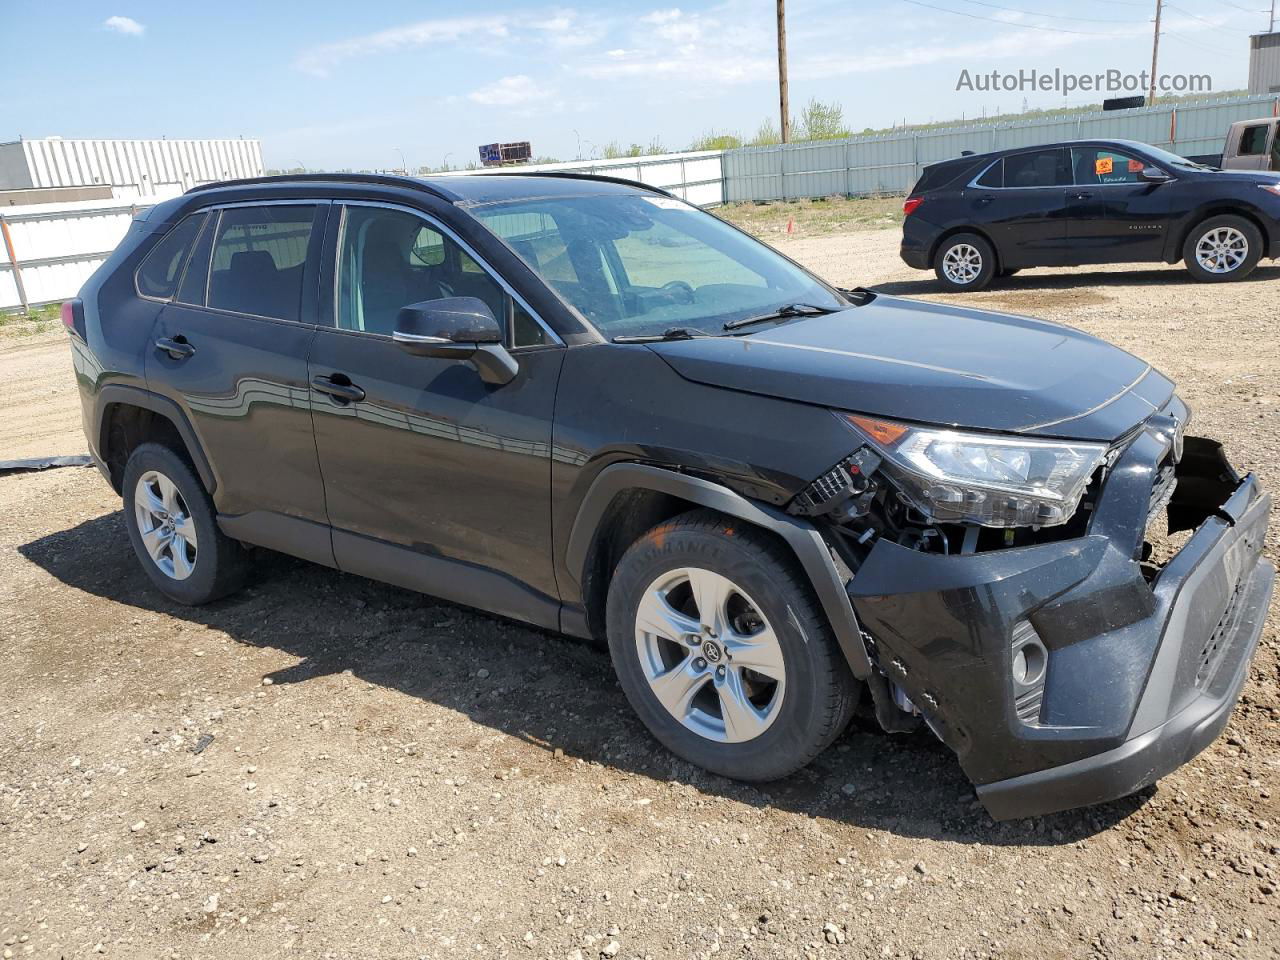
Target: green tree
822 121
716 141
767 135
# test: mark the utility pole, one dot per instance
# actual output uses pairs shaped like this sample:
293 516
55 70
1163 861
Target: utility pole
1155 54
782 72
1273 17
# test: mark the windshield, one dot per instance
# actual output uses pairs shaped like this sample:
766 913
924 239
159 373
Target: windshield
641 264
1172 159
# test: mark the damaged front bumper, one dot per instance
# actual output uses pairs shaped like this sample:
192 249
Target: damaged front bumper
1066 674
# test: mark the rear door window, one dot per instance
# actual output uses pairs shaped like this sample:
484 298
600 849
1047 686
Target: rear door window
1041 168
1099 166
259 257
162 269
1253 141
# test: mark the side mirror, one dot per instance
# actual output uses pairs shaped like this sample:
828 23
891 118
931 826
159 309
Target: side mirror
456 328
1154 175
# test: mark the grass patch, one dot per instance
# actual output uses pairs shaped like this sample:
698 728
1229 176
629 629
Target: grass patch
16 323
820 217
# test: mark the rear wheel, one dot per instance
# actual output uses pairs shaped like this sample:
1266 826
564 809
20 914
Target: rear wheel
965 262
1222 249
171 525
723 651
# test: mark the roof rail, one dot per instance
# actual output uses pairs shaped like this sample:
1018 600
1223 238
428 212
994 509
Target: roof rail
574 175
384 179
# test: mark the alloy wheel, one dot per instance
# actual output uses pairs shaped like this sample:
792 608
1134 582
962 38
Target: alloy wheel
165 524
1222 250
709 655
962 264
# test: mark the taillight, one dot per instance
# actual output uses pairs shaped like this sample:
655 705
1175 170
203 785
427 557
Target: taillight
912 205
73 316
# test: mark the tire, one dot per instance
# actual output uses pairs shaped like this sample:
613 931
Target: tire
1222 249
965 255
799 700
194 562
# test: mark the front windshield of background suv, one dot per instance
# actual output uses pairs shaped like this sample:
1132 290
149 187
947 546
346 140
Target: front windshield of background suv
1165 158
642 264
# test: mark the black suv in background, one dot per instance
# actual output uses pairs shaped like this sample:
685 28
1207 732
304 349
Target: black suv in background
589 406
978 217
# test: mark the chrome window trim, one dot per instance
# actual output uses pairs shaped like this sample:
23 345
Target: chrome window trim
444 230
974 185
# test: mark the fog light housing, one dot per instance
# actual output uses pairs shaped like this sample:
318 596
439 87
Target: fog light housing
1028 668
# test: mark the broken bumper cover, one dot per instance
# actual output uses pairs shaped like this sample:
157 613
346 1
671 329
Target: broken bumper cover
1134 676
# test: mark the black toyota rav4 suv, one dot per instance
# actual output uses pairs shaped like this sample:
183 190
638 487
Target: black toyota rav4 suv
584 404
977 217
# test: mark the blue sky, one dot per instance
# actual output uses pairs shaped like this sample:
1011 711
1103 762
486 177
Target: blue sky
341 84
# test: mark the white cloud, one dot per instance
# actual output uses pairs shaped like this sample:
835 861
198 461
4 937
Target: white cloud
563 29
126 25
509 92
319 60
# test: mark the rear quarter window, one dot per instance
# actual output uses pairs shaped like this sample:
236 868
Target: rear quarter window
161 271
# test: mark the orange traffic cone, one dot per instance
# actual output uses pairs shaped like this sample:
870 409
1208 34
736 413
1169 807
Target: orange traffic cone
791 226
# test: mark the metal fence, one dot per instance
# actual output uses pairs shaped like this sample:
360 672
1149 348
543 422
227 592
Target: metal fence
48 250
892 163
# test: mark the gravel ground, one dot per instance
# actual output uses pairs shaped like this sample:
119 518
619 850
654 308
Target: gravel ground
324 766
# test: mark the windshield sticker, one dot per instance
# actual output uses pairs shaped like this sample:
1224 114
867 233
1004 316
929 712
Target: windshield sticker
1135 166
1104 165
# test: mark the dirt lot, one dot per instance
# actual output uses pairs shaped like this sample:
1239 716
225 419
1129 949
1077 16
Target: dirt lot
327 767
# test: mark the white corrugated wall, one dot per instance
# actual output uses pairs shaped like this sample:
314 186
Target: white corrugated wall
143 165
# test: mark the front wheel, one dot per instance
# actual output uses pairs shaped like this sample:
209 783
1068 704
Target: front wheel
1222 249
965 262
722 650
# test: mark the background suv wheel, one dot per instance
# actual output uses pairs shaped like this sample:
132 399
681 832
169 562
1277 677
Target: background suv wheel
1223 248
965 262
723 651
171 525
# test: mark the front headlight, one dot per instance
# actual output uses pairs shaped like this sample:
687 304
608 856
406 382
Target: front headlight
990 480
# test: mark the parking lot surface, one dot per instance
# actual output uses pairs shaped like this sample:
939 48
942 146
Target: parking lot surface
326 766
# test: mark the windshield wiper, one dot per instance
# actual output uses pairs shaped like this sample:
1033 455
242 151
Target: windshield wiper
782 313
675 333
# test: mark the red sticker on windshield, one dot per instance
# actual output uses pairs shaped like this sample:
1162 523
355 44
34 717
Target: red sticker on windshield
1135 166
1104 165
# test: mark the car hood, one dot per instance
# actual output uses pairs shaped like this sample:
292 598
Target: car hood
1246 176
929 363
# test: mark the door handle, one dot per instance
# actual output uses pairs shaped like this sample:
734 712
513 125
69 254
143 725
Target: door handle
1083 196
176 347
985 201
342 392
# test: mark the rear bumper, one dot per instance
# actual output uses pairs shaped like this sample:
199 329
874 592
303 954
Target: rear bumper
917 242
1139 673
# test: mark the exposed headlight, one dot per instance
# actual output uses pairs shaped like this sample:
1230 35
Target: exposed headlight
990 480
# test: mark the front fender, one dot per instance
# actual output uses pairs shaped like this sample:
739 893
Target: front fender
801 537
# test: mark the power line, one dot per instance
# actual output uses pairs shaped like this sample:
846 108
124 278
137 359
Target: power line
1006 23
1198 44
1209 23
1050 16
